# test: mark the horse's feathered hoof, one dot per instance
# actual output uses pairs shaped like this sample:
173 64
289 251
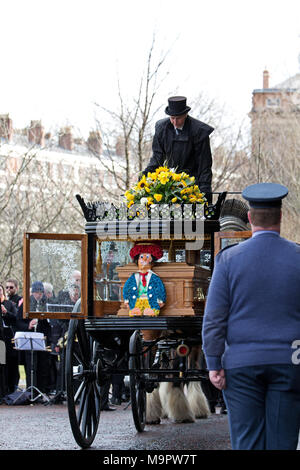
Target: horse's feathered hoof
188 420
156 421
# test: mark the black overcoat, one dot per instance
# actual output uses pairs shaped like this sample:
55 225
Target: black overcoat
8 326
190 151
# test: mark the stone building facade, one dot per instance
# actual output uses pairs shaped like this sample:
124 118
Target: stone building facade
275 115
275 143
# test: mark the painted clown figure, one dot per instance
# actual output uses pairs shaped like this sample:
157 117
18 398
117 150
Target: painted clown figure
144 292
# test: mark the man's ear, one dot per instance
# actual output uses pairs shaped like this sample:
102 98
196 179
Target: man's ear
249 216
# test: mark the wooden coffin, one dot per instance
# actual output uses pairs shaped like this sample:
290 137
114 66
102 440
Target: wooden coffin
185 285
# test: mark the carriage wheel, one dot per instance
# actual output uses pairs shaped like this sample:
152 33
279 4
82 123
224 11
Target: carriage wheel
82 389
136 382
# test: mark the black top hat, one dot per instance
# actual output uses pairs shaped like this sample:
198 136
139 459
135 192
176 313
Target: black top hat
265 195
177 106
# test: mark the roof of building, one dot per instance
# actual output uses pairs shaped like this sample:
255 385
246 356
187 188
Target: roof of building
291 84
19 146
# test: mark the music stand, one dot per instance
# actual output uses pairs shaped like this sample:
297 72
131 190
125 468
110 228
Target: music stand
31 341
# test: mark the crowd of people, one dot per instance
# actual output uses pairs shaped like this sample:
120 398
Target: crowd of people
47 364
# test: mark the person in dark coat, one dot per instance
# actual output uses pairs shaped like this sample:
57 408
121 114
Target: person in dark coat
2 362
251 329
182 142
8 321
12 288
66 297
59 328
42 366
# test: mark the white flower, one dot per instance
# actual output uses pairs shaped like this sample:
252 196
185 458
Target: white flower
144 201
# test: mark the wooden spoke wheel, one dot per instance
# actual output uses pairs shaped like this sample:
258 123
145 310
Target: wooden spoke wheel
82 389
136 381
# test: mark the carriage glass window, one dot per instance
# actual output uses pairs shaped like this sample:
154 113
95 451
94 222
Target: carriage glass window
53 281
205 258
230 241
227 238
178 253
173 251
109 255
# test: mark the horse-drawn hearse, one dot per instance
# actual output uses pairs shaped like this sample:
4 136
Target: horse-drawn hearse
104 336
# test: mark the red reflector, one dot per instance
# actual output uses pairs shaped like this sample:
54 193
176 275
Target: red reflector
183 350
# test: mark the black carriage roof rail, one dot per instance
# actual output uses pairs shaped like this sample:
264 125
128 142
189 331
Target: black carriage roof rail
97 209
83 206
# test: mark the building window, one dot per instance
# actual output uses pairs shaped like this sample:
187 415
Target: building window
273 102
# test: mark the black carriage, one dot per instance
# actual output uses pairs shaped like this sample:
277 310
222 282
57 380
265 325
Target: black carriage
102 339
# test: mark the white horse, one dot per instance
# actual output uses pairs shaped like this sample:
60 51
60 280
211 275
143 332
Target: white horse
176 401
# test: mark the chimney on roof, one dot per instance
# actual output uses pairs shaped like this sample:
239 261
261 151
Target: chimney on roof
36 133
265 79
65 139
94 142
6 127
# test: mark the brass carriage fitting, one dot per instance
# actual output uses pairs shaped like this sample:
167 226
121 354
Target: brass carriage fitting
199 294
182 350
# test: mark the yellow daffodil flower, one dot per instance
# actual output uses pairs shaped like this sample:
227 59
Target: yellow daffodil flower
129 196
158 197
176 177
153 176
160 169
163 177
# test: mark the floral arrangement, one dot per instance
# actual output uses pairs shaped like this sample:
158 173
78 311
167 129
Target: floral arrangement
165 186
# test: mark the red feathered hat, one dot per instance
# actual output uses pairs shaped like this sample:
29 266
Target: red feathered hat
153 248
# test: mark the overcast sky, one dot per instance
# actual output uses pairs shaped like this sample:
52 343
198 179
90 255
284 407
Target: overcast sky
58 57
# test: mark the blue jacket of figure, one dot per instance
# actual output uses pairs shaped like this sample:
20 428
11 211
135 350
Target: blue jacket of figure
155 290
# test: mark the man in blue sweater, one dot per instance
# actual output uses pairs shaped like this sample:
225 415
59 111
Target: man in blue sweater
251 329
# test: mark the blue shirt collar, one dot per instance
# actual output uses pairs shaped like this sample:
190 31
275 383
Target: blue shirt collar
260 232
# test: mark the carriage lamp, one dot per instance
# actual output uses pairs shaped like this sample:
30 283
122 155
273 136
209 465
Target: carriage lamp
182 350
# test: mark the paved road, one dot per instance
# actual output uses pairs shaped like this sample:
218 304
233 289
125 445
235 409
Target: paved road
40 427
44 434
